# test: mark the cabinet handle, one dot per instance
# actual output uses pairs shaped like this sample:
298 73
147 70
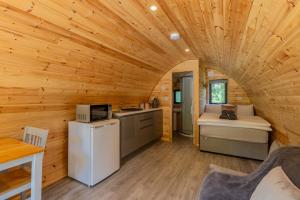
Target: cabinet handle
113 123
146 119
146 126
99 126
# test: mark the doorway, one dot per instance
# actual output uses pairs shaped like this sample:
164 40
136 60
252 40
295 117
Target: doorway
182 114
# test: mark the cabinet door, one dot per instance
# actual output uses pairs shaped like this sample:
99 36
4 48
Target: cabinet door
144 128
105 151
158 124
128 135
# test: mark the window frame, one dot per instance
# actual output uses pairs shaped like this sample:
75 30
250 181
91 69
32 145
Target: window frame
226 90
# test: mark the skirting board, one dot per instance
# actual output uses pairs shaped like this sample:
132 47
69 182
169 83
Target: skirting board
258 151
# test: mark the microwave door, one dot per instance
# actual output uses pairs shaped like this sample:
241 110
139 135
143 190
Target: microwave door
99 112
98 115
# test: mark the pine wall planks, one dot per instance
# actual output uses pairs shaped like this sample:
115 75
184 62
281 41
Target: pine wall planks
45 71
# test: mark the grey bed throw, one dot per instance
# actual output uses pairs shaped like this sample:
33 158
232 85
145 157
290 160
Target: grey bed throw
220 186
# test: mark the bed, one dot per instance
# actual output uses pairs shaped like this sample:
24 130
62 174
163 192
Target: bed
246 137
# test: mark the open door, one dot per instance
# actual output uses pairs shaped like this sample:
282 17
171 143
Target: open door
187 105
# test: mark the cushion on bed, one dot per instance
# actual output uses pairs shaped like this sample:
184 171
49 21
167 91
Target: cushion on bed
228 112
235 133
276 186
245 110
213 108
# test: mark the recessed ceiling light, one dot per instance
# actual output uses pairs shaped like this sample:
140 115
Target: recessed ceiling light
153 8
175 36
187 50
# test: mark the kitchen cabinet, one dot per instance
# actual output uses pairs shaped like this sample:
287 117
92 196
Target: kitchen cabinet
139 129
128 134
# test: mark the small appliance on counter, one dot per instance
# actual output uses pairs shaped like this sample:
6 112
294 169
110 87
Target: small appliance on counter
145 106
93 112
155 102
142 106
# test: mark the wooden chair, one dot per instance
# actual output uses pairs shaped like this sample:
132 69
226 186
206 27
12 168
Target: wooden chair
35 136
17 180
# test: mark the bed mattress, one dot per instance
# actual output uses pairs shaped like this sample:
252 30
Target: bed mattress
234 133
251 122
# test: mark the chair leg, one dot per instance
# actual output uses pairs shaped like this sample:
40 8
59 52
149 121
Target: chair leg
23 195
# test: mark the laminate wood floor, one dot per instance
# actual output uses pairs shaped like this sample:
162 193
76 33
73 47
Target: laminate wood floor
161 171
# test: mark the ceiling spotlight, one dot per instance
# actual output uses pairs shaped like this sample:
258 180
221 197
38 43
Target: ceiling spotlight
175 36
153 8
187 50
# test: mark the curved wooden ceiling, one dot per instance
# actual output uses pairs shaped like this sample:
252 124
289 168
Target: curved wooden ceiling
59 52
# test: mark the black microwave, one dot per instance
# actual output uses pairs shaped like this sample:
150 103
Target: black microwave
93 112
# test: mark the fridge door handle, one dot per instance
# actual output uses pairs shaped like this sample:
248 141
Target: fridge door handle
104 125
99 126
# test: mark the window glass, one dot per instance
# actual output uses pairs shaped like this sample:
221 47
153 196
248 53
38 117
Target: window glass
177 96
218 91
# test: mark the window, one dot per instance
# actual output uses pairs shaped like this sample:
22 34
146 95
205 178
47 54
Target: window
177 97
218 91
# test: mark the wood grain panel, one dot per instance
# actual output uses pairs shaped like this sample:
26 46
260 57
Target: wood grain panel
46 69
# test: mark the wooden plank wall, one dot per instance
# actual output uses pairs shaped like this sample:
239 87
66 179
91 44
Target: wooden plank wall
164 91
236 94
45 71
202 86
268 66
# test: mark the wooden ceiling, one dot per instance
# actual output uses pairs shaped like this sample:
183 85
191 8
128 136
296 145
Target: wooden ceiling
239 37
56 53
235 36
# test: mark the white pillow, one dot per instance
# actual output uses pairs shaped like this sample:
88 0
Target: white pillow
276 186
213 108
245 110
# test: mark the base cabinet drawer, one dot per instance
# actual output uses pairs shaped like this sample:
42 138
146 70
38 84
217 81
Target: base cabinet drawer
145 125
138 130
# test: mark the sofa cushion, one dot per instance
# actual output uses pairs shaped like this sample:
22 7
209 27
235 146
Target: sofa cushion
276 186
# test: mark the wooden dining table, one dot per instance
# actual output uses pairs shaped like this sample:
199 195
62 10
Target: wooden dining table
14 152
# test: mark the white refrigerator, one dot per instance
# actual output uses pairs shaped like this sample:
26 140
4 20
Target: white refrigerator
93 150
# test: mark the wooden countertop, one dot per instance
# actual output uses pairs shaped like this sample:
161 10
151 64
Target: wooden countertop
12 149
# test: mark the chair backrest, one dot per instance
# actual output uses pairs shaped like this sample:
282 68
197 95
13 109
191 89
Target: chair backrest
35 136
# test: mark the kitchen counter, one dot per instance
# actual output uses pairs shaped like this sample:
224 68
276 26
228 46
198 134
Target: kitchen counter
127 113
138 128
